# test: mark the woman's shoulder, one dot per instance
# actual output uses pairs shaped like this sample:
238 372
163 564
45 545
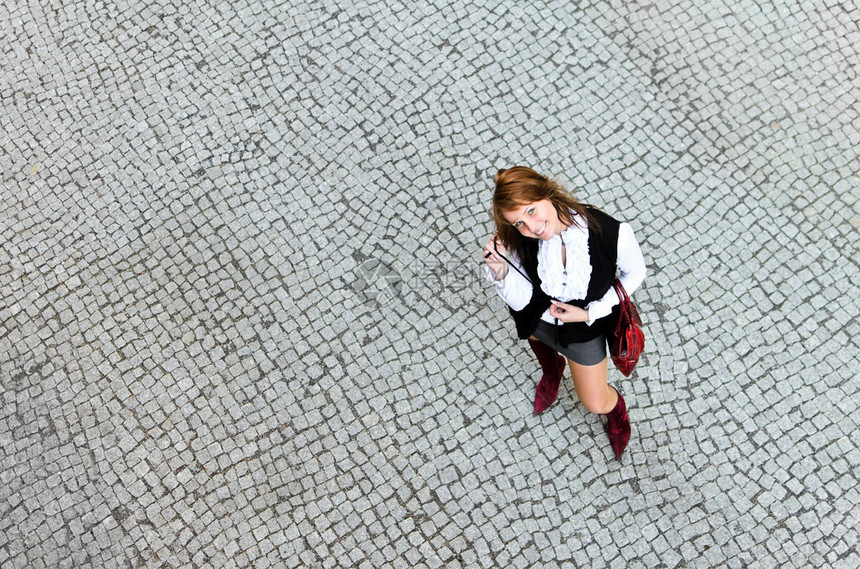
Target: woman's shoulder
598 213
602 218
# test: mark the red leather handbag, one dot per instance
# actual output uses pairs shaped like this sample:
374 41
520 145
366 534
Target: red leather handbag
627 339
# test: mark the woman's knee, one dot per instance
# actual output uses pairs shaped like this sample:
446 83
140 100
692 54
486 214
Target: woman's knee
591 386
599 401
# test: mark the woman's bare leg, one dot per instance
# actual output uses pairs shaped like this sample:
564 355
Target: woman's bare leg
592 388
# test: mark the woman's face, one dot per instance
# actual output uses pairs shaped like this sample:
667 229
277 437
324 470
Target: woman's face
538 220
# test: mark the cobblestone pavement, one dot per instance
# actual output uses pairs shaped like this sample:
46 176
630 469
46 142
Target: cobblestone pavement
241 318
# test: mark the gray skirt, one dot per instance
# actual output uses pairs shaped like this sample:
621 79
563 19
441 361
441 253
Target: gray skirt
587 353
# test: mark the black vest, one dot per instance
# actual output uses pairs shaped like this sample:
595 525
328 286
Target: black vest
603 252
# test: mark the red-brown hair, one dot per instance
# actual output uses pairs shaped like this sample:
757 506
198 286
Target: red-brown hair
521 185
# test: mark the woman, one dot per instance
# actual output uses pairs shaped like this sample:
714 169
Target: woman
565 256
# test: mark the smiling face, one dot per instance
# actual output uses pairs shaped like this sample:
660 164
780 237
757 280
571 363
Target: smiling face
538 220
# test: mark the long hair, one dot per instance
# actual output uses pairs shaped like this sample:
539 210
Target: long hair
521 185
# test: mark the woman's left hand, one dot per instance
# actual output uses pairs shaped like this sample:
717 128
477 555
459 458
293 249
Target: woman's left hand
568 313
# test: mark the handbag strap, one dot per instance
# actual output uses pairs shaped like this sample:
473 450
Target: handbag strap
517 269
619 290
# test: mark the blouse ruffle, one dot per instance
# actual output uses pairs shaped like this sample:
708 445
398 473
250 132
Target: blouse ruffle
570 282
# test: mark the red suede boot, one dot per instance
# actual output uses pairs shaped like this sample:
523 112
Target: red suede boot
552 364
618 428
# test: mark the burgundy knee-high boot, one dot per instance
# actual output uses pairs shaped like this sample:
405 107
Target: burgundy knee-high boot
552 364
618 428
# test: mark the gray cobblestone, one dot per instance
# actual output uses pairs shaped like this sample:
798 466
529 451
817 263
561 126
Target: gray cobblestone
198 370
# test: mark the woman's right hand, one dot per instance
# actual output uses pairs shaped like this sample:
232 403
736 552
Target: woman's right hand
498 266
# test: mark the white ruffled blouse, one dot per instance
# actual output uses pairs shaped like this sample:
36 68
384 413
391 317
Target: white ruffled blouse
565 281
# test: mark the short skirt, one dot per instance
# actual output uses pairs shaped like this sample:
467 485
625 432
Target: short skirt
587 353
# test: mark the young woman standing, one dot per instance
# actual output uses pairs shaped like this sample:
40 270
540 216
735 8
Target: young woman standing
553 261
